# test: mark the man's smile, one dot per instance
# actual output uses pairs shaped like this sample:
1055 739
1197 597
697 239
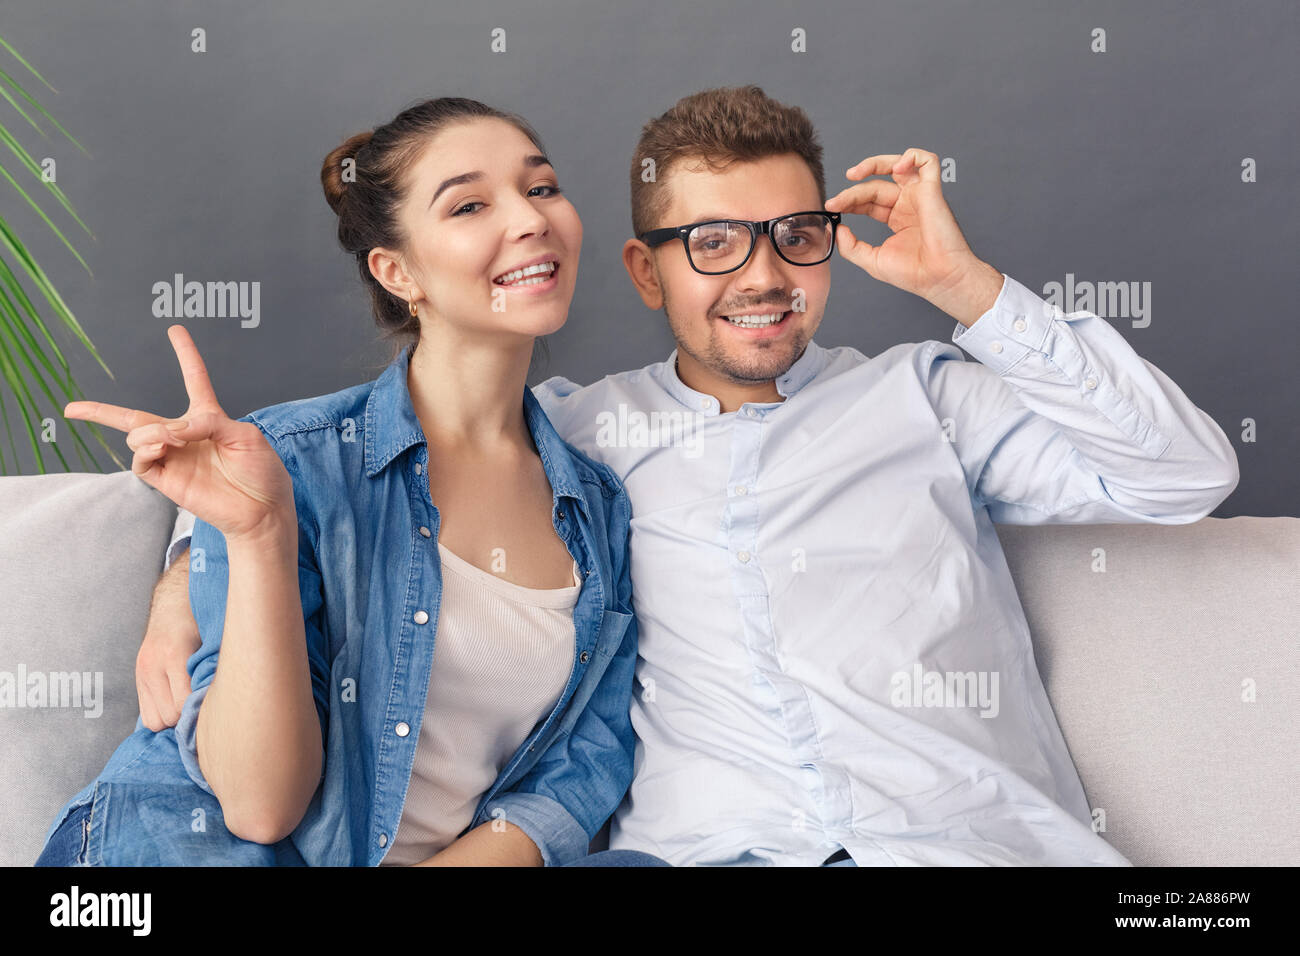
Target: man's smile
757 325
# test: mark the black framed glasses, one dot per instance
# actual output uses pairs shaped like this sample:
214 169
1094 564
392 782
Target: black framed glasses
718 246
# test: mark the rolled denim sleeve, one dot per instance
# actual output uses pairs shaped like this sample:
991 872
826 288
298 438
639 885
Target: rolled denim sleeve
208 586
1061 421
564 800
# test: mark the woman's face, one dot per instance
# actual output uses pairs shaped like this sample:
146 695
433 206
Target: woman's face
481 203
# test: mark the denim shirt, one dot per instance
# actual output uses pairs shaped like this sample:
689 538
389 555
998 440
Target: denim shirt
370 582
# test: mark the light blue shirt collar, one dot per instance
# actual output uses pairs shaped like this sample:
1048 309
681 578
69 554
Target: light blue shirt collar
803 371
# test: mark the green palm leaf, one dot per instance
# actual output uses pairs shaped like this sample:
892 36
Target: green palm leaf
31 363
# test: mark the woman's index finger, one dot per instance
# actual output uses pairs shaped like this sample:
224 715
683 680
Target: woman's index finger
110 416
197 383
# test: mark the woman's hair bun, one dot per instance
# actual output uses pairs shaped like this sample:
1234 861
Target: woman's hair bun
331 171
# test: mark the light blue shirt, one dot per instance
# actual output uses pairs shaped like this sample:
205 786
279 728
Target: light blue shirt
832 652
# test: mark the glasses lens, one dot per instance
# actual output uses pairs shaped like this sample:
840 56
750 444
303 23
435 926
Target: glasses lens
805 238
719 246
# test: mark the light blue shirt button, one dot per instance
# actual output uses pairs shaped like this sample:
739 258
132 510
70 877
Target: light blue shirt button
743 556
996 346
1091 382
741 489
1020 325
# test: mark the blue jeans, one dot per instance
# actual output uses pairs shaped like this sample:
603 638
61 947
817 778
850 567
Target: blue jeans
620 858
67 847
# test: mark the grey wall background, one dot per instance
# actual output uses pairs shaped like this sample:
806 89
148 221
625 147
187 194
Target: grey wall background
1123 166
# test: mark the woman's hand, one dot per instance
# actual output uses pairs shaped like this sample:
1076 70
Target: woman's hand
224 471
489 845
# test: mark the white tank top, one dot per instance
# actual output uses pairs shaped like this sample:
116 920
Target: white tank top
502 656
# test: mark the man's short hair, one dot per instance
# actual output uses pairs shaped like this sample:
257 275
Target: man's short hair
717 127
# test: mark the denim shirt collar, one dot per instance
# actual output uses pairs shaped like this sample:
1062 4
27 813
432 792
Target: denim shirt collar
391 427
803 371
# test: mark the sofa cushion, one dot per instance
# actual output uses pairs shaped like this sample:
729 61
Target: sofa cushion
79 556
1173 673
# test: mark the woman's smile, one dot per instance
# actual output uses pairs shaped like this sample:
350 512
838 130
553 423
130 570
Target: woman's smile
532 280
536 276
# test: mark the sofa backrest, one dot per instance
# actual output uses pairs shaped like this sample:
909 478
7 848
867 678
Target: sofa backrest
79 556
1168 652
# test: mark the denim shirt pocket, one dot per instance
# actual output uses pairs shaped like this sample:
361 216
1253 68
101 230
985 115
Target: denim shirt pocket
613 626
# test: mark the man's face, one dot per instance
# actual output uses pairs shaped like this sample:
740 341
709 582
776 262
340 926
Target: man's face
698 305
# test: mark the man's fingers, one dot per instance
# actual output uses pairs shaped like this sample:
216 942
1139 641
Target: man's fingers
145 687
179 679
149 716
923 161
197 383
875 198
861 254
922 164
874 165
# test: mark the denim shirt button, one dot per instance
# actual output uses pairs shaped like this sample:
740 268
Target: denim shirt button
402 728
561 514
383 839
421 617
424 531
584 657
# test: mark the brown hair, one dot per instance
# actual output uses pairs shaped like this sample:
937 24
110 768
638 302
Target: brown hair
367 206
718 127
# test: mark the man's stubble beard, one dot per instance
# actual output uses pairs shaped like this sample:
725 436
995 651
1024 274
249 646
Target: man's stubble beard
761 363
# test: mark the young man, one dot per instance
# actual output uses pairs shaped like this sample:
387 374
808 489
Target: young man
833 659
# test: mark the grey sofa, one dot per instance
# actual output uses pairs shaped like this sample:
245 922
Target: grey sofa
1173 672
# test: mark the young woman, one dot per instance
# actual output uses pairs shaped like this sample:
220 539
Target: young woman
413 598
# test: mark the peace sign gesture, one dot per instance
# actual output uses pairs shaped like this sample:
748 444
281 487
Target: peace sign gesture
221 470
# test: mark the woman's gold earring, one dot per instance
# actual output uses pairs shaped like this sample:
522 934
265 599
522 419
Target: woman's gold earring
414 313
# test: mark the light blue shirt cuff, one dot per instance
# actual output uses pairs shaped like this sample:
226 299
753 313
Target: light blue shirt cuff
1014 326
557 834
181 533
